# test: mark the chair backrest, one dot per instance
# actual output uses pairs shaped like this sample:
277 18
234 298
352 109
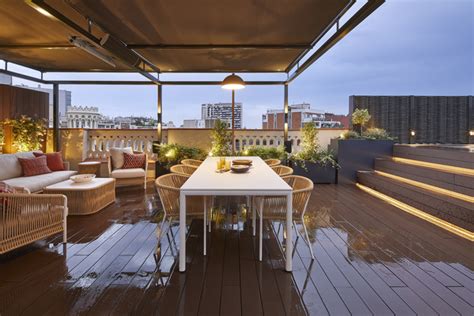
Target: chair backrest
283 171
302 189
273 162
191 162
167 187
183 169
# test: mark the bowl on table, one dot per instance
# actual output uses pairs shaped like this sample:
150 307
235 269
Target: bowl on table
239 168
82 178
243 162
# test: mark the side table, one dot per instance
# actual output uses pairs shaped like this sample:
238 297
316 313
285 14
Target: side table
91 167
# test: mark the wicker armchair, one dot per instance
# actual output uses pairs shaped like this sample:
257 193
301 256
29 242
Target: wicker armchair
126 177
26 218
168 187
283 171
273 162
191 162
184 170
275 207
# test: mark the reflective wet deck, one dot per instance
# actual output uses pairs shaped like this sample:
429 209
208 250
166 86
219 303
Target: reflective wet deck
370 259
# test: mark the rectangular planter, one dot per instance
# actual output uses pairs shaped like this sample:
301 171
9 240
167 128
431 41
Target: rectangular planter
358 154
317 173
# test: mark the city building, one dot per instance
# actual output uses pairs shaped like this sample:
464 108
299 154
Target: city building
298 115
82 117
223 112
6 79
200 123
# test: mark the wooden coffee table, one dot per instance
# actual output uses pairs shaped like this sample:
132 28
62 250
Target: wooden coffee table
85 198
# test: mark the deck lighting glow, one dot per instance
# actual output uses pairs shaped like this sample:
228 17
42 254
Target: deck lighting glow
445 168
461 232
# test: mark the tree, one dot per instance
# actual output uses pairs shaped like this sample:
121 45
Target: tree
221 139
360 117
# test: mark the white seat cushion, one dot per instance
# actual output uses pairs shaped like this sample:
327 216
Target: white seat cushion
128 173
117 156
37 183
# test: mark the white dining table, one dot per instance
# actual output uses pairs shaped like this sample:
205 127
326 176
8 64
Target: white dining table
260 180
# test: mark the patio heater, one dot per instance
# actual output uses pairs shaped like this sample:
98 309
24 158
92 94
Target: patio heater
233 82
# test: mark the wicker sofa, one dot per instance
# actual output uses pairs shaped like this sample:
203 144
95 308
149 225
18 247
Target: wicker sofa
26 218
11 173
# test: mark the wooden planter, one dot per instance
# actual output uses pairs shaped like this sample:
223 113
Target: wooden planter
358 154
160 169
317 173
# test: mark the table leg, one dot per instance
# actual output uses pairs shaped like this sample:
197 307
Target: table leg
260 237
182 232
289 232
205 227
254 216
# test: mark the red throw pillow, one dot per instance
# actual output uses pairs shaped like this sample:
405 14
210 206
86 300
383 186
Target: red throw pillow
133 161
34 166
53 160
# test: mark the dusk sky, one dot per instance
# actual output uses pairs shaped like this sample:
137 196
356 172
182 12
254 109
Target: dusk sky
407 47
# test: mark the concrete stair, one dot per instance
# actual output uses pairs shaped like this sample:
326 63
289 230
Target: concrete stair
435 188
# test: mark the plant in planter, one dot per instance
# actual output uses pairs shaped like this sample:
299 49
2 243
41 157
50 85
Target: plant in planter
221 140
360 117
28 133
172 154
357 150
264 152
313 162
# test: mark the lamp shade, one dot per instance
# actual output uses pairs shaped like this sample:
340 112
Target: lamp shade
233 82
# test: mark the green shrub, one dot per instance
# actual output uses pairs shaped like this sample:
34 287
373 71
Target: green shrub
350 135
376 133
264 152
28 133
221 139
172 154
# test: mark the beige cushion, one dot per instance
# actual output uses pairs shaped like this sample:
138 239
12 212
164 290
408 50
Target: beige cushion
37 183
128 173
10 166
117 156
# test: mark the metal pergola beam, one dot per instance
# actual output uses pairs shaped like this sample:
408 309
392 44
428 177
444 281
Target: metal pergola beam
167 46
26 77
355 20
56 135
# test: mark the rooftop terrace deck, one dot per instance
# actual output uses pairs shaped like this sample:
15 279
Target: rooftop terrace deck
370 259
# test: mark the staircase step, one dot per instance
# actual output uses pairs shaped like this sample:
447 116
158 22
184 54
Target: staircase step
450 208
449 180
456 156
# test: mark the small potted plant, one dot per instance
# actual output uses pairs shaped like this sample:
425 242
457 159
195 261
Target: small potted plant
357 149
313 162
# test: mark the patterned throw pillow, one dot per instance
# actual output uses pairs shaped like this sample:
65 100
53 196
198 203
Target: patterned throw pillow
53 160
131 161
34 166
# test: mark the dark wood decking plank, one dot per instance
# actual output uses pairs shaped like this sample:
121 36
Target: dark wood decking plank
415 302
230 298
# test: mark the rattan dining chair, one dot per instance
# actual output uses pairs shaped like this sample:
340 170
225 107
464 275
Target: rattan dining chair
191 162
273 162
183 169
168 187
283 171
274 208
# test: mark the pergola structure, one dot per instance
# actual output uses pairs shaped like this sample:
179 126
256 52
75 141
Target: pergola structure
150 37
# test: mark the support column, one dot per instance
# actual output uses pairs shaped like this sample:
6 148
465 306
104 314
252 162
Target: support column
286 111
56 134
233 122
159 130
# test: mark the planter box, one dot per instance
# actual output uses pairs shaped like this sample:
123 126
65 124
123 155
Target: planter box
317 173
358 154
160 169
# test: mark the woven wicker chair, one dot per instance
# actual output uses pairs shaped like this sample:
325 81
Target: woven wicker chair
283 171
273 162
191 162
26 218
168 187
183 169
275 207
128 179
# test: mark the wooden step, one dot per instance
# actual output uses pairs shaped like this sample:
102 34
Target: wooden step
461 156
447 207
449 180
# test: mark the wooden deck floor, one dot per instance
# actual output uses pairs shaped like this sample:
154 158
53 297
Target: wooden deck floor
370 259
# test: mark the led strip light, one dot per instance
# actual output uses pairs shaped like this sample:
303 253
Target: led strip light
429 187
458 170
461 232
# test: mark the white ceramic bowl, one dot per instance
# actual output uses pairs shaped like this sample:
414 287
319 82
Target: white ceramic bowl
82 178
